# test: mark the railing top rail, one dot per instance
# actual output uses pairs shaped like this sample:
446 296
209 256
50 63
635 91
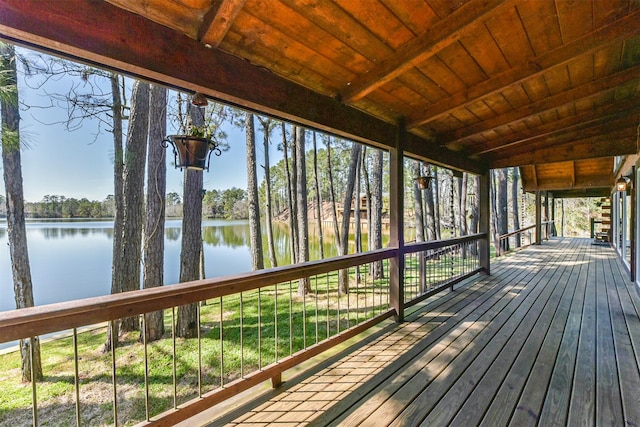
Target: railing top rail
436 244
33 321
521 230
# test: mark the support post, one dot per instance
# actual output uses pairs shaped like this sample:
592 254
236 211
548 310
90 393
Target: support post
396 217
538 217
633 235
483 223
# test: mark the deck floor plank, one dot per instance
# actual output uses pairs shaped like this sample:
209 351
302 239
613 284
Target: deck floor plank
528 407
510 368
608 399
403 371
555 407
552 337
415 378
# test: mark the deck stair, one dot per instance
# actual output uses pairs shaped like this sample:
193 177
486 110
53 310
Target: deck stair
602 225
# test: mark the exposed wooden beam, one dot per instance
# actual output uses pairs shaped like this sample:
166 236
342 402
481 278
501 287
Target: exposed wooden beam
439 36
563 184
600 128
616 31
615 143
600 114
582 192
572 174
122 43
218 20
535 176
585 91
423 149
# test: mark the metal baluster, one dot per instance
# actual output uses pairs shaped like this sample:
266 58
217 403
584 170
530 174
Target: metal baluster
114 337
34 391
358 296
304 320
199 336
221 347
328 308
146 367
173 337
241 337
290 318
275 310
316 322
76 380
338 303
259 330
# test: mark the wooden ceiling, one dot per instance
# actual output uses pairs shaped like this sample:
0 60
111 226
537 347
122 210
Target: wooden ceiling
550 86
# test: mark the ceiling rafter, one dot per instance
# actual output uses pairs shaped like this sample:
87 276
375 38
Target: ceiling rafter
600 114
613 33
584 91
611 129
621 142
218 20
558 184
600 128
439 36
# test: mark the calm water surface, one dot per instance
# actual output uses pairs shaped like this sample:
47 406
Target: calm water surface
72 259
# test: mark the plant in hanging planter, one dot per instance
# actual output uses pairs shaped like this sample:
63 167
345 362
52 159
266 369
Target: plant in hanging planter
193 150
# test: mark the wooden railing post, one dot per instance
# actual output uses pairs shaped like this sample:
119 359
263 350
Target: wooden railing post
396 216
483 223
633 224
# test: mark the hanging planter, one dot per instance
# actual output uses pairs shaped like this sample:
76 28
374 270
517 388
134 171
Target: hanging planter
192 152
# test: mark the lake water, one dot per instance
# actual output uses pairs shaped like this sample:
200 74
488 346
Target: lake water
72 259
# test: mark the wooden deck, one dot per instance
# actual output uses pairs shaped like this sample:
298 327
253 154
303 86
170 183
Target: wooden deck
552 337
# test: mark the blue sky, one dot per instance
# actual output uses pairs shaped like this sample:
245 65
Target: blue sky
77 164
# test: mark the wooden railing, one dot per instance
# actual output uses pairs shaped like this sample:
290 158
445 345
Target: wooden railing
521 238
431 267
250 328
253 327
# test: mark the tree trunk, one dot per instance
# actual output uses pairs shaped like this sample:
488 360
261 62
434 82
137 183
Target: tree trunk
16 228
475 212
319 209
290 207
377 271
153 274
494 216
343 276
462 203
304 286
417 203
255 231
357 235
294 193
462 208
187 321
514 201
266 131
501 199
435 188
364 168
430 208
118 192
332 195
130 254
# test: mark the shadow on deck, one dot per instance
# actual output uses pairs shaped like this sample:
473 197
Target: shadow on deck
550 338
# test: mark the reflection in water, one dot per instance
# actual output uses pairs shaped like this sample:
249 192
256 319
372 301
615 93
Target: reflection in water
72 259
